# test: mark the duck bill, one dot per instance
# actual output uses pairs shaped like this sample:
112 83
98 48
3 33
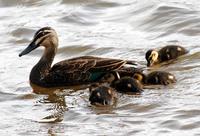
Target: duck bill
31 47
151 63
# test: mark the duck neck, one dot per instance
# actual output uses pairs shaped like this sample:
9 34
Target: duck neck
41 69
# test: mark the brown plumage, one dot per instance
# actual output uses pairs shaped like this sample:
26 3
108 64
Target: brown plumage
166 53
128 85
102 96
155 78
74 71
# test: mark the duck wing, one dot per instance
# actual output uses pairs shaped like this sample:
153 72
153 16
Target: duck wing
104 65
69 72
81 70
130 62
88 63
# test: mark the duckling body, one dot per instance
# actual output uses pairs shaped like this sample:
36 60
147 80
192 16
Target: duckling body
102 96
113 76
128 85
75 71
166 53
156 78
160 77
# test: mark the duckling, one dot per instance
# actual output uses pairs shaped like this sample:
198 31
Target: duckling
166 53
102 96
71 72
128 85
113 76
155 78
109 78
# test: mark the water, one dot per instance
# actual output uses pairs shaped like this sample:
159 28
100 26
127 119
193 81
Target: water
113 28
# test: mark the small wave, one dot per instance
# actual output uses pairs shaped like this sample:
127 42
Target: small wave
170 19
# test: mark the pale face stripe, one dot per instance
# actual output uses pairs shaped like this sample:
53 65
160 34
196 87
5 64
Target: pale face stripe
40 36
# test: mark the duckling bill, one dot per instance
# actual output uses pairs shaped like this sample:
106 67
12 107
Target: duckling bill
166 53
75 71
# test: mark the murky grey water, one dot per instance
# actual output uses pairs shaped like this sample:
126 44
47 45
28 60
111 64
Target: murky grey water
111 28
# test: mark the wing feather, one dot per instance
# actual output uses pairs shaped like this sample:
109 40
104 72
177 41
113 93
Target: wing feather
76 70
90 63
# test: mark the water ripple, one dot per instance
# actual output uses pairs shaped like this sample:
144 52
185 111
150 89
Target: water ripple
115 28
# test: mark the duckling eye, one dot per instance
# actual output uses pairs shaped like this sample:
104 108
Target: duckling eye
151 57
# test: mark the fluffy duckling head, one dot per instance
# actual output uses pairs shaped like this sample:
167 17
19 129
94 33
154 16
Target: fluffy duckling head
152 57
102 96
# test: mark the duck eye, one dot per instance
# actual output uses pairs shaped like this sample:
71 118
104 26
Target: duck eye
150 57
154 55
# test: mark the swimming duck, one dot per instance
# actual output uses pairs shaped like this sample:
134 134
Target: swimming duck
155 78
75 71
128 85
102 95
166 53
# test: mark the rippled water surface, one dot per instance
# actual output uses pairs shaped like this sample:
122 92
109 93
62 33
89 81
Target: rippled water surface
112 28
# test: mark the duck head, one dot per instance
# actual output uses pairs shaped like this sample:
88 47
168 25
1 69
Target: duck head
102 96
46 37
151 57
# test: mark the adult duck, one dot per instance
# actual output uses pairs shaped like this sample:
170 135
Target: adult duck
75 71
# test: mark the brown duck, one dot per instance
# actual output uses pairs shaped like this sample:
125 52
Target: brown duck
75 71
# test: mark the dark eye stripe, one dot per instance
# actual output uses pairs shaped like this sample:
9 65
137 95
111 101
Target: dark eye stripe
41 41
41 34
43 29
